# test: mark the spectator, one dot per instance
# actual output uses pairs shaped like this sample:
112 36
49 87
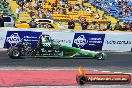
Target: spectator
31 13
126 11
84 24
120 15
69 8
30 6
118 26
119 10
56 3
27 1
64 11
93 26
89 10
17 12
99 27
40 13
44 2
97 16
71 24
37 15
38 6
127 26
1 21
83 8
62 3
35 2
103 16
52 8
49 3
58 10
109 27
80 19
130 26
32 24
43 15
22 5
4 3
104 5
48 14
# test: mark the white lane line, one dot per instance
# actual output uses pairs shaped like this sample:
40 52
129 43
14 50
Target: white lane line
95 70
105 71
127 73
118 72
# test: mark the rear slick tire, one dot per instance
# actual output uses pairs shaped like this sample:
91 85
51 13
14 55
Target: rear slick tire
14 53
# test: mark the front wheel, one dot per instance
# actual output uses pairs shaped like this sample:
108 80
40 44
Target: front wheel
14 53
99 56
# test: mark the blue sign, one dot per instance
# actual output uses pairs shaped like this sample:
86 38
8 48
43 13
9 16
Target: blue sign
15 37
88 41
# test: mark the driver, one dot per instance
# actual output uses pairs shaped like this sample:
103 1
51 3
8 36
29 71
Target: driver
45 41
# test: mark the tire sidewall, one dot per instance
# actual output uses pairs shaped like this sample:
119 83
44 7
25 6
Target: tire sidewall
12 51
99 56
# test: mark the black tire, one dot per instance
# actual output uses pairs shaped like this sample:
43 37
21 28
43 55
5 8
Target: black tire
81 80
99 56
14 52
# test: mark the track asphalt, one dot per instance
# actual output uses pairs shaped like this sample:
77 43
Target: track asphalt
116 62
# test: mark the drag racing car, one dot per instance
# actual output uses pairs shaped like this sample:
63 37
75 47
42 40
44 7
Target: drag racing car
48 48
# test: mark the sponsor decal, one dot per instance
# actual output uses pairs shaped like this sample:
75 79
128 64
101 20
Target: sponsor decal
80 41
62 41
70 53
14 38
117 42
88 41
108 78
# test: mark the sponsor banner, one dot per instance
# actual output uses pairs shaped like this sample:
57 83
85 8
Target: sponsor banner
15 37
88 41
118 42
63 38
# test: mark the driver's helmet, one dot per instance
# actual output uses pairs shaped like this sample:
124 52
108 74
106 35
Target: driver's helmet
45 39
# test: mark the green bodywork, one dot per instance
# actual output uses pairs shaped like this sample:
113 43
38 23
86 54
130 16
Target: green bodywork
70 51
77 52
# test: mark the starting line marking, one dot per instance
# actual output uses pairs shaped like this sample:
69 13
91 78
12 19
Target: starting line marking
117 72
105 71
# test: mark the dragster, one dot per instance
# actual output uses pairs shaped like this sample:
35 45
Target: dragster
48 48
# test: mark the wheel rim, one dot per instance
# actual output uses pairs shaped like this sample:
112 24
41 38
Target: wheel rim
100 56
16 53
61 53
